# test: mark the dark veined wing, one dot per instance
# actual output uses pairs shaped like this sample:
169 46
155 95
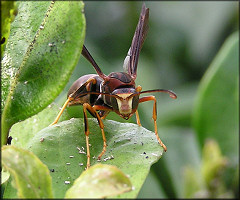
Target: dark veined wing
88 56
131 60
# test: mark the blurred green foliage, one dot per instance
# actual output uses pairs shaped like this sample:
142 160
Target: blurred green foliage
8 13
183 39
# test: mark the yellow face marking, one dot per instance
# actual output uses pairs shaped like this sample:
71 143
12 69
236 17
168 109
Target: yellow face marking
125 105
124 95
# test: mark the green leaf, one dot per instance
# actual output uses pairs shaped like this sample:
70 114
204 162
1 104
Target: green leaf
213 161
216 113
193 184
23 132
179 111
100 181
31 177
208 182
4 175
8 12
183 151
43 48
151 188
130 148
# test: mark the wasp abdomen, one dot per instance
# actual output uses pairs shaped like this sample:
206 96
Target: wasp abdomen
79 87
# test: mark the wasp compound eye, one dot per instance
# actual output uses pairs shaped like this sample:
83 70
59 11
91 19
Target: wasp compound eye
114 103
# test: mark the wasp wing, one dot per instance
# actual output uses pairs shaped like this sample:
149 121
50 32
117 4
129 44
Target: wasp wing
131 60
88 56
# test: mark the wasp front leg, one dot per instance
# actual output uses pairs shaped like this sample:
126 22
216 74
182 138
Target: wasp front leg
93 111
154 116
137 118
138 89
106 111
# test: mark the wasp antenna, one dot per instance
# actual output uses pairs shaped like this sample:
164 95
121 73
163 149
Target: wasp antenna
88 56
100 93
171 93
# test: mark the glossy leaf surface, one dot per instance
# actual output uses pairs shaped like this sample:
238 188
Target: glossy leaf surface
8 12
217 107
43 48
31 177
62 148
99 181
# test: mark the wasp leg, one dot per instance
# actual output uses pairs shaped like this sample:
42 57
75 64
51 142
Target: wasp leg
88 150
138 89
85 105
103 108
138 119
61 111
93 111
107 109
104 115
152 98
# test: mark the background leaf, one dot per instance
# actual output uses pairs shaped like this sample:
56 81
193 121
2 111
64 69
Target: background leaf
99 181
8 12
31 126
4 175
23 132
151 188
216 113
183 151
42 51
31 177
131 148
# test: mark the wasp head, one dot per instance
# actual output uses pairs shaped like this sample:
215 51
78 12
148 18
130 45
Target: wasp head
125 103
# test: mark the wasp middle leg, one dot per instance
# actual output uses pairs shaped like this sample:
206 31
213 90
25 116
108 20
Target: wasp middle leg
154 116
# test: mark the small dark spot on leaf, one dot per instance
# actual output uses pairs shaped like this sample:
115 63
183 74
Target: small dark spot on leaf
146 156
3 40
142 143
144 152
9 140
51 170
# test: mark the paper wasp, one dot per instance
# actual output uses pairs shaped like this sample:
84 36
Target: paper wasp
100 94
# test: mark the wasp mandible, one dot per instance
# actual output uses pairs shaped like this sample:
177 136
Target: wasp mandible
100 94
